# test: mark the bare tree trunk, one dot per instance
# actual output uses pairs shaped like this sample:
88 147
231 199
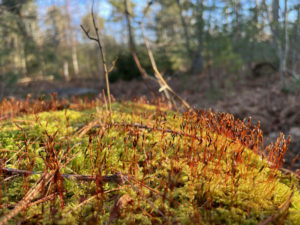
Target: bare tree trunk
66 71
55 39
286 44
185 28
198 62
131 42
15 54
74 56
72 39
275 37
23 62
296 49
28 44
237 12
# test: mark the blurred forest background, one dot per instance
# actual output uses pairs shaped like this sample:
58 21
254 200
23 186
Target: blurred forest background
238 56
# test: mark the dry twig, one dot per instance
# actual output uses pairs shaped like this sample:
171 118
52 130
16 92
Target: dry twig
163 84
114 178
100 45
29 196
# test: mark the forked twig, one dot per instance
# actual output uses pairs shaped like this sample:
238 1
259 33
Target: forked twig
100 45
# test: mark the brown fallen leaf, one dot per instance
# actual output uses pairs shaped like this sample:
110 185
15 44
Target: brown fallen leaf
120 204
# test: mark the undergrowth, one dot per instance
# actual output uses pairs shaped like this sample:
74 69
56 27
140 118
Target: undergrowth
67 163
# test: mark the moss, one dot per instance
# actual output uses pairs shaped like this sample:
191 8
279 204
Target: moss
195 167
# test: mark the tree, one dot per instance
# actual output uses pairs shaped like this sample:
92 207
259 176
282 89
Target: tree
198 62
24 15
72 39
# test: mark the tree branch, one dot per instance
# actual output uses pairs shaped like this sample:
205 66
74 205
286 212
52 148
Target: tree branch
99 42
163 84
114 178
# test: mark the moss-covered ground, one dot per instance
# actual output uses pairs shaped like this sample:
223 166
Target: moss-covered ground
173 168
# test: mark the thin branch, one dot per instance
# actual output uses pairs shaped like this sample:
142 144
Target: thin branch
153 63
87 33
41 200
85 129
114 178
99 42
163 84
142 71
113 64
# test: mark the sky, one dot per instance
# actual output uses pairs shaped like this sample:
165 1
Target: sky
79 8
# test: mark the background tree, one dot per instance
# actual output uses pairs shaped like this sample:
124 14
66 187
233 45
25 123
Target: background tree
233 38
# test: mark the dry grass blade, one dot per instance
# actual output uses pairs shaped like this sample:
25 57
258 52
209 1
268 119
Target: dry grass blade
148 201
29 196
281 210
86 128
91 198
287 171
146 186
47 198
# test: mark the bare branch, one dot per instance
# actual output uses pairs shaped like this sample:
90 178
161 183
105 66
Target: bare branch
163 84
87 33
100 45
114 178
142 71
113 65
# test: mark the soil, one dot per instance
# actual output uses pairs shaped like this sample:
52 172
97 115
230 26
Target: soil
258 97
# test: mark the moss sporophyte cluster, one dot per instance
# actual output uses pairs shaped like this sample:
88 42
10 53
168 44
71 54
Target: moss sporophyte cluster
149 165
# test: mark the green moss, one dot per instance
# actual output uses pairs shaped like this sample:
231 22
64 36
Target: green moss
211 179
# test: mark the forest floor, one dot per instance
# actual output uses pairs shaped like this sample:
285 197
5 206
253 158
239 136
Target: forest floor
260 97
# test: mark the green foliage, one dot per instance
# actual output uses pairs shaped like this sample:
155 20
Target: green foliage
223 54
190 168
10 78
292 87
185 37
125 68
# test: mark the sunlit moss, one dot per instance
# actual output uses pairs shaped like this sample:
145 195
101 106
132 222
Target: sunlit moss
195 174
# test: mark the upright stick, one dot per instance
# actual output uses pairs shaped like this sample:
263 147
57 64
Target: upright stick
98 40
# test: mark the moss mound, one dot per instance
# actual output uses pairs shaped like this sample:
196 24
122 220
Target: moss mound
147 165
